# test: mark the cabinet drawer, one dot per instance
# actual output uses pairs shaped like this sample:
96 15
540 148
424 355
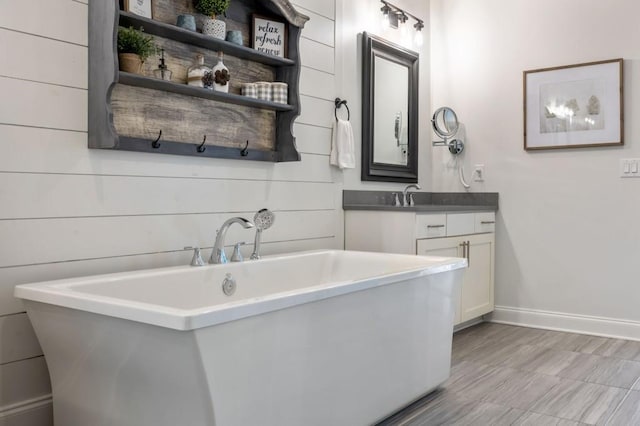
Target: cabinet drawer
485 222
460 224
431 225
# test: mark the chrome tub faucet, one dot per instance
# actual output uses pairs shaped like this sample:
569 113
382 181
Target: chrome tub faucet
218 255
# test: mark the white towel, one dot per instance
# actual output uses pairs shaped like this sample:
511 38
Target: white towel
343 150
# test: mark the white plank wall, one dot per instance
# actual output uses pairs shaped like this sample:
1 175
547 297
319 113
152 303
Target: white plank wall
69 211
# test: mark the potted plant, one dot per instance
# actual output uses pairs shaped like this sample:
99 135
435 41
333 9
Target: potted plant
212 9
134 48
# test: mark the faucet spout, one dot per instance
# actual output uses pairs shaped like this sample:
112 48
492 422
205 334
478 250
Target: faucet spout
406 191
218 255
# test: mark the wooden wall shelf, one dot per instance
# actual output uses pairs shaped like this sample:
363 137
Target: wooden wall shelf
172 32
197 92
121 104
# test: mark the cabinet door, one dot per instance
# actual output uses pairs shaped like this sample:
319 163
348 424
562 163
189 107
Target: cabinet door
477 285
446 247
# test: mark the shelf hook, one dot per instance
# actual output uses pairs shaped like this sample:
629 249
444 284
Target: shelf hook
245 151
156 143
201 147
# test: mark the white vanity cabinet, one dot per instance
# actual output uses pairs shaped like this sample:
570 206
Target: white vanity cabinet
476 297
469 234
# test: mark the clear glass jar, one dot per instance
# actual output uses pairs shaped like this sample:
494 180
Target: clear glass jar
197 71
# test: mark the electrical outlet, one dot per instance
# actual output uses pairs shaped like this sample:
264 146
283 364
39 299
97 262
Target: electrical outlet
478 173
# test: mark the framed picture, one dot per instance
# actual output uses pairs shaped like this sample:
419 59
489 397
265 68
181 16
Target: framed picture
574 106
139 7
269 36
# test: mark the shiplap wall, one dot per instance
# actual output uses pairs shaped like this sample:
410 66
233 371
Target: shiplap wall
69 211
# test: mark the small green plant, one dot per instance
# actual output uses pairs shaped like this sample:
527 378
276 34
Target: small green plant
212 8
131 40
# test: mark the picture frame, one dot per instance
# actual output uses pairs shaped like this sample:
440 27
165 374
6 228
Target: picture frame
574 106
269 36
139 7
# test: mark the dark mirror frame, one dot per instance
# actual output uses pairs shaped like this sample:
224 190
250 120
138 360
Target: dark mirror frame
373 47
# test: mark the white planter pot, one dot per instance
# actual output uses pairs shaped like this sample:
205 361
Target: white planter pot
214 28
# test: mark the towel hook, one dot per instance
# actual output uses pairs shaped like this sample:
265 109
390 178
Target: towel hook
338 103
245 151
201 147
156 143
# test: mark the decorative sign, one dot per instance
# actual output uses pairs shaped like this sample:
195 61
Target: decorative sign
269 36
139 7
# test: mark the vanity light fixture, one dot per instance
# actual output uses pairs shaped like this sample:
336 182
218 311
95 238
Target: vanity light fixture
394 17
386 10
418 38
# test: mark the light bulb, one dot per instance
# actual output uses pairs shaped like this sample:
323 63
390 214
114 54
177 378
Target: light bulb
386 23
403 29
418 39
385 20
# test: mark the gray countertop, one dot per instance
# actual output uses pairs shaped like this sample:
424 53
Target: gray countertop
424 201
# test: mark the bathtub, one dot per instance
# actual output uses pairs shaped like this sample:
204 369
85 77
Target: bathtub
313 338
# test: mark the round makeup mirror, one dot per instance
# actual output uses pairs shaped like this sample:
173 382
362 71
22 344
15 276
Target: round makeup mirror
445 122
445 125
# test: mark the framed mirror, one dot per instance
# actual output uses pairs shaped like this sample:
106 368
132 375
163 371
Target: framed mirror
390 111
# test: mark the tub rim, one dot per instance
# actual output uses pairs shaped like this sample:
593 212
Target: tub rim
61 293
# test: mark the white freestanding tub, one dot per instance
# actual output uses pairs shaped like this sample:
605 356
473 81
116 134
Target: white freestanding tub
315 338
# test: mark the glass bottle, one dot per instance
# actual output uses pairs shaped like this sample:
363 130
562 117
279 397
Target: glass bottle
197 71
221 75
162 72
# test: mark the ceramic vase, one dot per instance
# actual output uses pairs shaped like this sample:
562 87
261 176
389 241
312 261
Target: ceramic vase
188 22
235 37
214 28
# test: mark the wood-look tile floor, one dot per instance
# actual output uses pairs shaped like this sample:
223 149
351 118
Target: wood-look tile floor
507 375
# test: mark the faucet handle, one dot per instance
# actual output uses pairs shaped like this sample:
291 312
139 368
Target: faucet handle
396 200
237 256
411 202
197 256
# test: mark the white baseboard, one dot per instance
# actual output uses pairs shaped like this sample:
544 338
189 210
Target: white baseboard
582 324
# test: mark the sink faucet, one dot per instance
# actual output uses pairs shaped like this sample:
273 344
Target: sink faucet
405 201
217 255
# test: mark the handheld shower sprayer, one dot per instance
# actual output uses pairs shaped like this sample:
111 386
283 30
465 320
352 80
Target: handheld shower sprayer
263 219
